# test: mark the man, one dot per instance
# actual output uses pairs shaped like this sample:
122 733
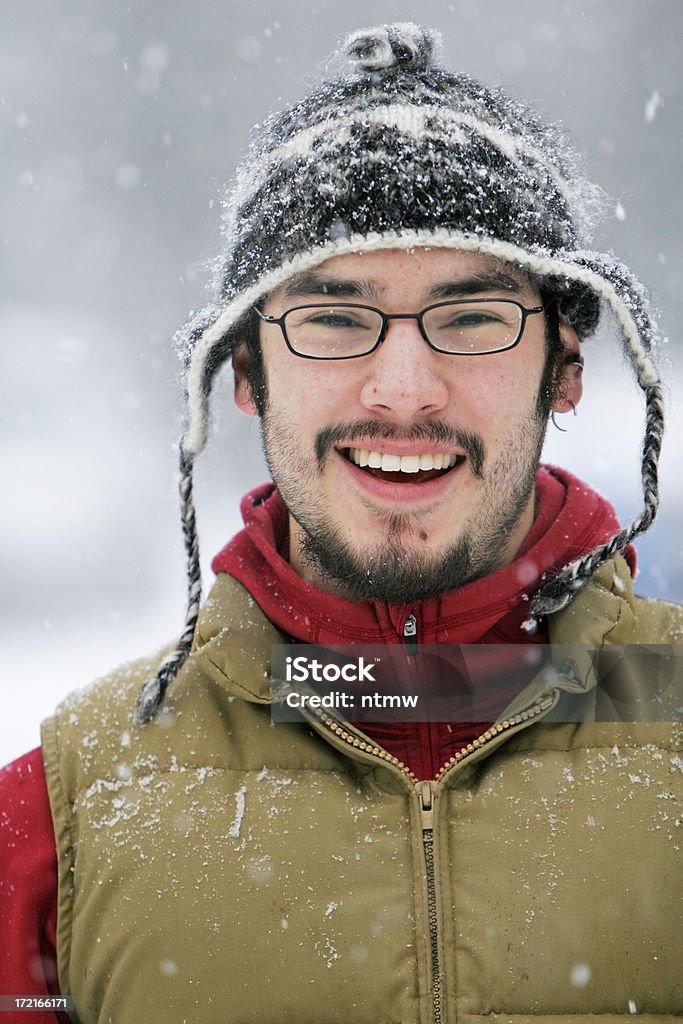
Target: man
404 291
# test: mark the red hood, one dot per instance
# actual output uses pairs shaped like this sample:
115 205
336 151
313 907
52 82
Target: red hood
571 519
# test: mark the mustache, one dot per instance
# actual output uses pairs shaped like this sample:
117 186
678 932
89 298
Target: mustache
436 431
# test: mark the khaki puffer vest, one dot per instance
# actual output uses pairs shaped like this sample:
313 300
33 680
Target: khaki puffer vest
215 868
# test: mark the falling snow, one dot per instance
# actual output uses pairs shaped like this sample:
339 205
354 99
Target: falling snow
652 106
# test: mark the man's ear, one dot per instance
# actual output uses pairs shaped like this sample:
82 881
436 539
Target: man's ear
243 398
570 377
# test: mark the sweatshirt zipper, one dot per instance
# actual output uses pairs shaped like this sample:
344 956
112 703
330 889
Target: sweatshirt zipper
410 634
426 791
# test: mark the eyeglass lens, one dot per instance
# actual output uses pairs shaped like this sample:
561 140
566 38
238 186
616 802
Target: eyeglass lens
334 332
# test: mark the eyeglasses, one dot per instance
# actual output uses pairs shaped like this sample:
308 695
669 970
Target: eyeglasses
466 327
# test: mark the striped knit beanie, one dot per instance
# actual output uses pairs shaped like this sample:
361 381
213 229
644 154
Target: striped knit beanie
399 152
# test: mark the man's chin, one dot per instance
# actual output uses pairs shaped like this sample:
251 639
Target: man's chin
389 571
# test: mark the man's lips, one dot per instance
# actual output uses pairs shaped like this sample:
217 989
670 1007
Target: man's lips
413 467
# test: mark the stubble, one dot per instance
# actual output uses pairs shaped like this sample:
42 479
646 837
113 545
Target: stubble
398 569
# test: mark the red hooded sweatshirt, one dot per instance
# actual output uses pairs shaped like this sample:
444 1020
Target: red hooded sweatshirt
570 520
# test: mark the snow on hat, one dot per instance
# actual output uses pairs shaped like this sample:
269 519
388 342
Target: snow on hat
402 153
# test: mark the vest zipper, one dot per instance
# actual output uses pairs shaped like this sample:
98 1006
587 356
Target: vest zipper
336 727
539 706
426 791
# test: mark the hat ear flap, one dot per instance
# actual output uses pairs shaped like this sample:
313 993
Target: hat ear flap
614 283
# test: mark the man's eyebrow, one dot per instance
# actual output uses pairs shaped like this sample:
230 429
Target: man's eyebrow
476 284
318 284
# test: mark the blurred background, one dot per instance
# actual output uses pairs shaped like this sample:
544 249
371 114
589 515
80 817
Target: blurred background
120 123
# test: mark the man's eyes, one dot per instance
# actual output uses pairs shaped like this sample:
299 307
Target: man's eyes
440 318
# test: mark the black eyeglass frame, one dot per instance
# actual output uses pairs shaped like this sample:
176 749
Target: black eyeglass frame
525 311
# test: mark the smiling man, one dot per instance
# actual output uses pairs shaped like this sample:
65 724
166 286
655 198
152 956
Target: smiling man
404 291
406 448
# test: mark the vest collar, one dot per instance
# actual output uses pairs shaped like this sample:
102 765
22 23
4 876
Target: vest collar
233 639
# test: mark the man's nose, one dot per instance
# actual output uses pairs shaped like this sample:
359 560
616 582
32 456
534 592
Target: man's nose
405 376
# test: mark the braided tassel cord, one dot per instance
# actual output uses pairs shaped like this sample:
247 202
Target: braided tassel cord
558 592
638 329
152 693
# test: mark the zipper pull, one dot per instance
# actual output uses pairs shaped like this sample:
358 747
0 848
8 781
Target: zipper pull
425 791
410 634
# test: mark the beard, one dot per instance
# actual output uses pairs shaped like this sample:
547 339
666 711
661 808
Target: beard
397 569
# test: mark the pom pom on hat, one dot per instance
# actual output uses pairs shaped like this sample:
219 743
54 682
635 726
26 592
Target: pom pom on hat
389 46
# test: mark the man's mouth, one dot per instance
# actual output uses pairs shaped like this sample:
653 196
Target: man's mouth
413 468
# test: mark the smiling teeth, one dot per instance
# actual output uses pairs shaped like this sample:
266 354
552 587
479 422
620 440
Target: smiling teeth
401 463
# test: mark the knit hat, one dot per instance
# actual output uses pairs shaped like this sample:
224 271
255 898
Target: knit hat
401 153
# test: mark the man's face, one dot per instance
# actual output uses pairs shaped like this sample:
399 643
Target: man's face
380 531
